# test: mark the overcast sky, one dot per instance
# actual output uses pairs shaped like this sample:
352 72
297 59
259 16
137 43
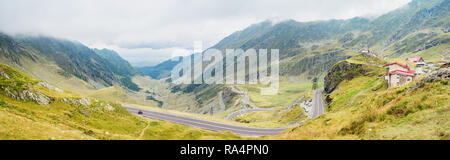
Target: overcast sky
146 32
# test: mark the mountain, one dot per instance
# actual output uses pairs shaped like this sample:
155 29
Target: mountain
99 68
310 49
159 71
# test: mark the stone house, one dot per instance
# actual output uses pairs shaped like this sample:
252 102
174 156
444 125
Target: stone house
398 74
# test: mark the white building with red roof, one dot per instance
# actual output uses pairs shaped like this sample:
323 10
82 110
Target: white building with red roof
417 60
398 74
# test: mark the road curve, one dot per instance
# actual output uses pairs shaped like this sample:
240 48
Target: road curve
317 106
205 124
243 111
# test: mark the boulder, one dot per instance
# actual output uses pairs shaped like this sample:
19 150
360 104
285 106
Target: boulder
109 107
84 101
39 98
85 112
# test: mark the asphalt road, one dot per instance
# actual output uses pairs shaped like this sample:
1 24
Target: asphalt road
245 99
205 124
317 106
243 111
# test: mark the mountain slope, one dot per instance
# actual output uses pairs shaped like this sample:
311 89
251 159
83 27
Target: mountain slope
304 44
32 109
362 107
159 71
99 68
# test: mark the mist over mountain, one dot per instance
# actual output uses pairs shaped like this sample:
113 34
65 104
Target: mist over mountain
318 44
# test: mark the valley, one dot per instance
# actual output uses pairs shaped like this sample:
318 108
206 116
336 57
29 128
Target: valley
333 84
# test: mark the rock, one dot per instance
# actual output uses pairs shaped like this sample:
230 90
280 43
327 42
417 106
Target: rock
28 95
438 75
77 102
85 112
65 100
328 100
84 101
10 94
3 74
34 96
306 106
446 65
109 107
50 87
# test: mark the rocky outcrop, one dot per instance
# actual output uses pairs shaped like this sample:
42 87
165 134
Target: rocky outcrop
342 71
109 107
3 74
307 106
446 65
439 75
28 95
77 102
50 87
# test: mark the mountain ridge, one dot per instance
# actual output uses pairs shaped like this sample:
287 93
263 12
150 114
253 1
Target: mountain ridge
98 67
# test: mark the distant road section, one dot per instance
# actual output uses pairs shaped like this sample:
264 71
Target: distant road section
243 111
205 124
317 106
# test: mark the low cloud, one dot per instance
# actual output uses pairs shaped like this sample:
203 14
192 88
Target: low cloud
144 31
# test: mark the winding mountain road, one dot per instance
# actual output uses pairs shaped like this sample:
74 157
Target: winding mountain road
317 109
245 99
317 106
243 111
210 125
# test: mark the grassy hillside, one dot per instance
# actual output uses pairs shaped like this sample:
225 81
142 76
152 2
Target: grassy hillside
364 108
31 110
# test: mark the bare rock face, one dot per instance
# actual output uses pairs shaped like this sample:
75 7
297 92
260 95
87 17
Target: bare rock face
341 71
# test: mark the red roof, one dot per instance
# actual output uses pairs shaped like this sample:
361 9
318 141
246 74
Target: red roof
410 73
415 59
397 64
